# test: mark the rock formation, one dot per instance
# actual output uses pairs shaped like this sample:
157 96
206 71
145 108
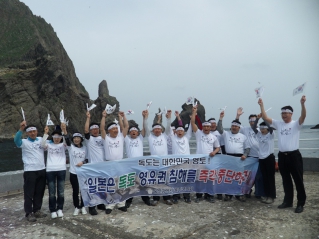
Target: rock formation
315 127
37 74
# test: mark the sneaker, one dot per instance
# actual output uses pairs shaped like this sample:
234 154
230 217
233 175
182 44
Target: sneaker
154 203
123 209
53 215
175 201
60 213
76 211
263 199
269 201
31 218
188 200
92 211
240 198
211 199
168 202
128 204
101 207
83 211
108 211
39 214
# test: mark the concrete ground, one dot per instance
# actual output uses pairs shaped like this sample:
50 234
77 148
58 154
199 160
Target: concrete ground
234 219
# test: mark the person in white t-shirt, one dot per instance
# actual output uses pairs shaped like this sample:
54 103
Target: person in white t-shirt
134 148
158 146
77 157
207 143
34 171
265 137
55 171
95 149
254 151
180 145
114 147
235 145
289 158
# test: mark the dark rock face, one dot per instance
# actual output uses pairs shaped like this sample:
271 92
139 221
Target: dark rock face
187 111
315 127
37 74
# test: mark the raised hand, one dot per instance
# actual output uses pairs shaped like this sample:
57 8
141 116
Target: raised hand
303 99
169 114
104 113
240 111
23 124
222 114
88 114
145 113
260 102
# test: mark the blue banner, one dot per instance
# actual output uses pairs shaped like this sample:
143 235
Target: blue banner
115 181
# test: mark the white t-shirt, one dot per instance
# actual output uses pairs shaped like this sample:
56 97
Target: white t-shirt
266 144
206 143
95 148
219 137
134 147
76 155
158 144
181 145
234 143
56 159
114 147
169 145
252 142
288 135
32 154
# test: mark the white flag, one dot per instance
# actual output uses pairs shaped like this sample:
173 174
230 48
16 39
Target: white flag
129 112
299 89
62 119
91 107
23 114
223 109
190 100
110 109
49 121
148 105
259 91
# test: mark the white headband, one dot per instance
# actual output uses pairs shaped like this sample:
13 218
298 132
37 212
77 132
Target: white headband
77 135
253 119
235 124
112 126
172 127
286 110
212 121
133 128
95 126
180 128
57 136
157 127
263 127
206 124
30 129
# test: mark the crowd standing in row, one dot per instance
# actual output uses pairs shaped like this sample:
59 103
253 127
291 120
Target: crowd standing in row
107 145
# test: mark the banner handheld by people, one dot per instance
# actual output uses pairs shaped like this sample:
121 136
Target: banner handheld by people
115 181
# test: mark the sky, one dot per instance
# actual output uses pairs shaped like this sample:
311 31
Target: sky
216 51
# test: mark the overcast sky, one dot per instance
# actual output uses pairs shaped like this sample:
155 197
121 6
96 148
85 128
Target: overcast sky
218 51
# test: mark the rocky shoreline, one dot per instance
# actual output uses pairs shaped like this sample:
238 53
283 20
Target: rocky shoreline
233 219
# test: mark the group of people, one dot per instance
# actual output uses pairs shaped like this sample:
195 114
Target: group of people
101 143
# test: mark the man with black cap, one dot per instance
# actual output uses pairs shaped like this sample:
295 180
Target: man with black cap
34 171
94 144
235 144
289 158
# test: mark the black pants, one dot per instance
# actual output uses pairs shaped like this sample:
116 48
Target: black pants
76 191
33 187
155 198
291 165
267 167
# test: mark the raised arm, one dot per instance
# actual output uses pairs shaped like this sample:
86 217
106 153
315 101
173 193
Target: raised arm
194 112
168 129
145 131
124 127
270 129
65 135
102 125
220 128
303 110
87 123
263 112
45 137
239 112
17 138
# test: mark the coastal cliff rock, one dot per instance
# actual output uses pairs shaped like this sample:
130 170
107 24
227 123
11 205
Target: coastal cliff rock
315 127
37 74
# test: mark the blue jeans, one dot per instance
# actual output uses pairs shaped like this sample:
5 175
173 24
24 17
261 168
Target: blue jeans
55 180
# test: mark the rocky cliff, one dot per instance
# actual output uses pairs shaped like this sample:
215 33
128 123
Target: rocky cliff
37 74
